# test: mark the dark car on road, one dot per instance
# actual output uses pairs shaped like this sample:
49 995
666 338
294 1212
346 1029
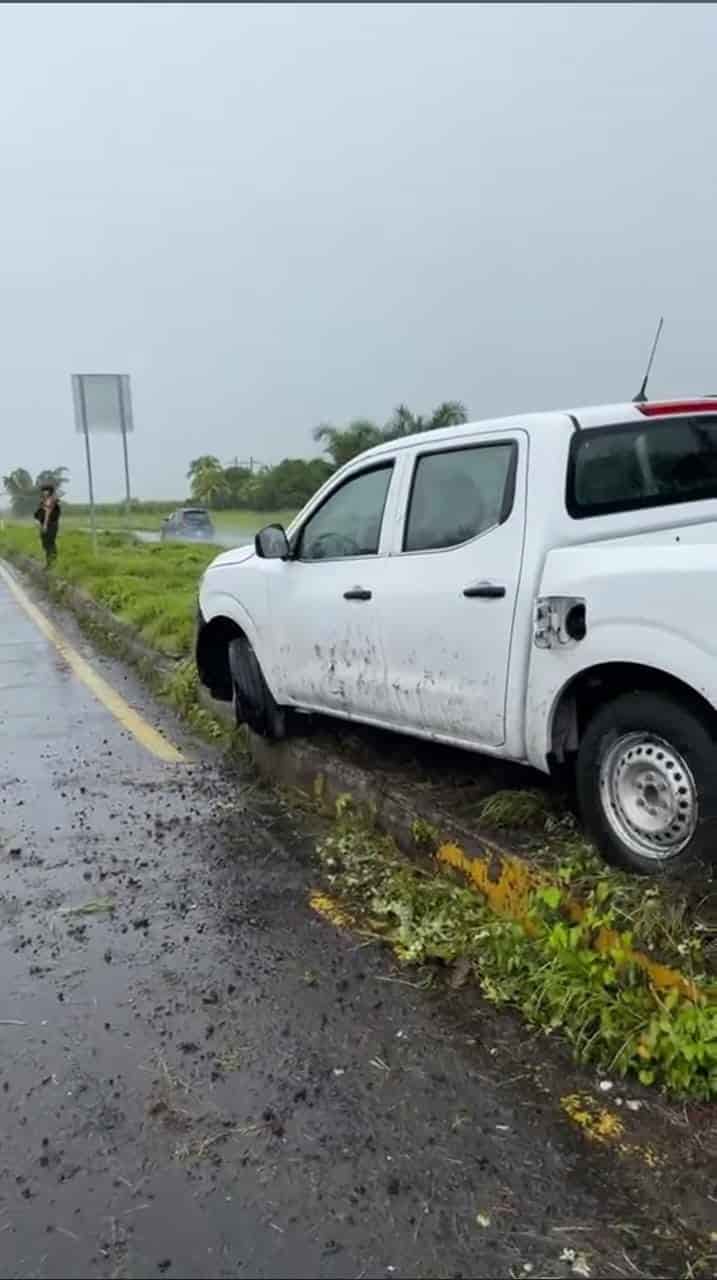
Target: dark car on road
189 524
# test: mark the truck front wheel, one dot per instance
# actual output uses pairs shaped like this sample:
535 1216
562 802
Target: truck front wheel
646 783
253 700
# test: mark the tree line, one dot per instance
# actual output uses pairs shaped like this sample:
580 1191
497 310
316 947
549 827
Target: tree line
287 485
291 482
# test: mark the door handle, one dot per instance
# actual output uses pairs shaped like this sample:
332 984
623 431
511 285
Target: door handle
484 591
357 593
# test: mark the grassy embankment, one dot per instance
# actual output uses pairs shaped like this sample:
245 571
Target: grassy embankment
547 960
151 586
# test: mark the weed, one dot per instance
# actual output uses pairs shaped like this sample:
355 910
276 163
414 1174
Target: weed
425 836
674 923
515 809
344 804
182 690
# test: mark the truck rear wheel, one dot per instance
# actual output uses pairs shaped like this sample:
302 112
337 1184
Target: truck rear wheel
646 784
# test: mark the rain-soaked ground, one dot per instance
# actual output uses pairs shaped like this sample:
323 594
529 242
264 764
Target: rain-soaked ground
210 1081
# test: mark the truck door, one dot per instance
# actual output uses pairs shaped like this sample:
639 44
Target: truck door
325 600
446 615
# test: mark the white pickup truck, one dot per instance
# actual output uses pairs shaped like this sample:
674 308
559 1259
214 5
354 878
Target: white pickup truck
541 588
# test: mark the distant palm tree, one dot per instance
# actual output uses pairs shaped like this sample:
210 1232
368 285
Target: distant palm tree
56 476
342 444
451 413
404 423
207 461
209 482
21 491
211 487
24 493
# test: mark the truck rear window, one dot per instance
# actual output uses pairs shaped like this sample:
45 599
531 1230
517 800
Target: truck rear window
634 465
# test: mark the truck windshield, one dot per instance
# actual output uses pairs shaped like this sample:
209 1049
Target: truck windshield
636 465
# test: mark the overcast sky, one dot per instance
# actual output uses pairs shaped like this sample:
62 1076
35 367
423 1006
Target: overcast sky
273 215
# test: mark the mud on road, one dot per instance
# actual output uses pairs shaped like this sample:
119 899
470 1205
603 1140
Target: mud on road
202 1078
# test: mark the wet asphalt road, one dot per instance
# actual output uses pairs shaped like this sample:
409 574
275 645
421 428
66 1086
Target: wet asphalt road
210 1081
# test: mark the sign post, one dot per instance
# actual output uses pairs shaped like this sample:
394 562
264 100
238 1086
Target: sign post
126 424
78 395
103 402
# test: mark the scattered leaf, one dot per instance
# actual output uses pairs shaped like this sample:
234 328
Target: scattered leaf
95 907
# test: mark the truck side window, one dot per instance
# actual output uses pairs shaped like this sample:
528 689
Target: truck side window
348 522
458 494
631 466
609 471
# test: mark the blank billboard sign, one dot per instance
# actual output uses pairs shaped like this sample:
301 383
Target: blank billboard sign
102 402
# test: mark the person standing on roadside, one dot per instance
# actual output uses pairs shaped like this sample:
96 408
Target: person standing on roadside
48 515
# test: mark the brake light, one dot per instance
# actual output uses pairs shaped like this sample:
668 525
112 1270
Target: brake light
663 409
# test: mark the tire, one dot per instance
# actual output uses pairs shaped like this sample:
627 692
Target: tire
254 702
646 784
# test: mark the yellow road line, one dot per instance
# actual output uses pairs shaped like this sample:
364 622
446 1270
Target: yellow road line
121 710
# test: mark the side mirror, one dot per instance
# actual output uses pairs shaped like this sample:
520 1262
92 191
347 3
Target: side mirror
271 543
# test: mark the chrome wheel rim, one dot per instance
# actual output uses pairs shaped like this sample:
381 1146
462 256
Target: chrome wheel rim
649 795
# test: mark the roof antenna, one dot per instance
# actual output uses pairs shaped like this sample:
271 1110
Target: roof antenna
641 396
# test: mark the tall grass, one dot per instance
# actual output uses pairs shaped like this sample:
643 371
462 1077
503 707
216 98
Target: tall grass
154 587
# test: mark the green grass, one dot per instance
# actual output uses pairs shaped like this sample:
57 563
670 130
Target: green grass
153 587
113 522
525 808
250 521
239 521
